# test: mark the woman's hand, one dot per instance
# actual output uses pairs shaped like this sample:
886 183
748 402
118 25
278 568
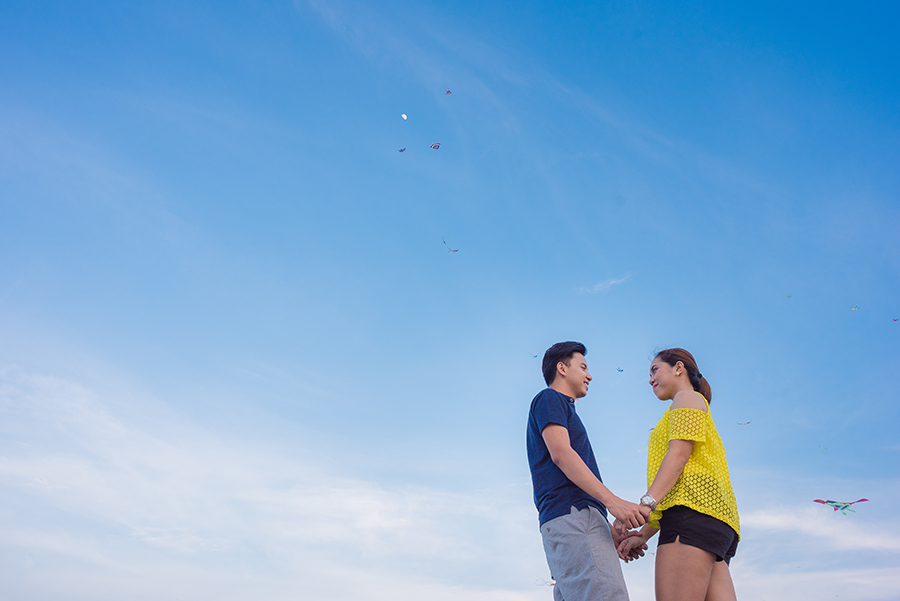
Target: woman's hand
631 547
620 534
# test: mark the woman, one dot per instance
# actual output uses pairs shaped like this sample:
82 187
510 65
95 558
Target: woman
690 495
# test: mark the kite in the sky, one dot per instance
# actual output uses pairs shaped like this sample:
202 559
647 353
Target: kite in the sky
788 296
743 423
436 146
838 506
619 369
402 149
403 115
898 319
542 582
854 308
447 91
454 250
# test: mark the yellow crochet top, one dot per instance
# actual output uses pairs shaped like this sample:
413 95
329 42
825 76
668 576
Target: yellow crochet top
704 484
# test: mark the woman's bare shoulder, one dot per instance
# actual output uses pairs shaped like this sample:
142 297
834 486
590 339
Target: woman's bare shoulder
689 399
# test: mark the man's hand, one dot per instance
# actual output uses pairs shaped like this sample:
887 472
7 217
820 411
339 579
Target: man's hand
630 514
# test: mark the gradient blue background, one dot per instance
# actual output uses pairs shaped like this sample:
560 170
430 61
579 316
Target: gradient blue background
237 360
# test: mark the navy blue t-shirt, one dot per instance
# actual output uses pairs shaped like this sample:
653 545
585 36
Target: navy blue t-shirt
554 493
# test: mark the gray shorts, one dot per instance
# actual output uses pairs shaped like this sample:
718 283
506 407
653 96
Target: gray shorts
582 557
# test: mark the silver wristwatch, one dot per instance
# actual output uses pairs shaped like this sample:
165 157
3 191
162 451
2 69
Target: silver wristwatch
649 501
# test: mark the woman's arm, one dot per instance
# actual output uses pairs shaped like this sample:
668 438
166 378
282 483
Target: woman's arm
670 469
679 450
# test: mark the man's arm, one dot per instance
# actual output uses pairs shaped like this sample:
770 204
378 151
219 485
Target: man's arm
556 437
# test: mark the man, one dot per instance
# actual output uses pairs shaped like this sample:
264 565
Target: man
571 499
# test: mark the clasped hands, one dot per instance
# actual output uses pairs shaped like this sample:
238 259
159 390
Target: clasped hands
630 544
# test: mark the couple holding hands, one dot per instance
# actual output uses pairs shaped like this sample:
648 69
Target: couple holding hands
689 499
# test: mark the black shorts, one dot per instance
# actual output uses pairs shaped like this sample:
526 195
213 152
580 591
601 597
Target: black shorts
699 530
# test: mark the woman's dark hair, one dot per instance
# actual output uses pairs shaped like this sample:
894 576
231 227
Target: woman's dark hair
561 351
674 355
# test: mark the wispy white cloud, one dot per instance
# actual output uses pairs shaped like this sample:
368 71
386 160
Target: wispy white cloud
604 285
835 533
873 584
140 496
150 493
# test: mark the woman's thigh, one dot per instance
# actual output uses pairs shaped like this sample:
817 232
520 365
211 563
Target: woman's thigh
683 572
721 588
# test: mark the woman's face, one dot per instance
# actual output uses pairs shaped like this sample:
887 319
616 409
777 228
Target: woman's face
663 379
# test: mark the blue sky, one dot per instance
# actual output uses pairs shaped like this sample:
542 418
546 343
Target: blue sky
237 360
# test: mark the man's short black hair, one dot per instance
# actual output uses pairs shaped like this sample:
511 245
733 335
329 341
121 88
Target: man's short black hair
561 351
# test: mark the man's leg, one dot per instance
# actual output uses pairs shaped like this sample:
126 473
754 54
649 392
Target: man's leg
582 558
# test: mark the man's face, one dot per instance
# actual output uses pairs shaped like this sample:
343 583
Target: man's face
576 376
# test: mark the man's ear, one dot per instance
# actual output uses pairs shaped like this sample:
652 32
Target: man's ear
562 368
